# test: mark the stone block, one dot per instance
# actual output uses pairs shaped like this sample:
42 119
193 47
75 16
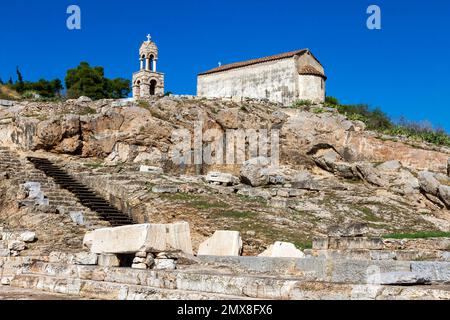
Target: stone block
282 249
150 169
219 177
85 258
320 243
16 245
399 278
140 237
27 236
6 103
361 271
108 260
165 264
149 260
355 243
382 255
141 254
222 243
350 230
445 255
4 252
139 266
137 260
77 217
435 270
165 189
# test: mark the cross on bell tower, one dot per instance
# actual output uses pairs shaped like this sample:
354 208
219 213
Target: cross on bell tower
147 81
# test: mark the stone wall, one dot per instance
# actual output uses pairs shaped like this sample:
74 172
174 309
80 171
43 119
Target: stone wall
274 80
311 88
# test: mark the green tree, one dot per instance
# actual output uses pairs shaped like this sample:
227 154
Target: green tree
20 86
85 80
118 88
10 81
45 88
1 81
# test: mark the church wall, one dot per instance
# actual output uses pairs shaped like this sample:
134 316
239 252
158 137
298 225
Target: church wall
273 80
311 88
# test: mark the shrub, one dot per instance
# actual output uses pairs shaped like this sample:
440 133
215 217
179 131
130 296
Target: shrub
331 101
302 103
377 120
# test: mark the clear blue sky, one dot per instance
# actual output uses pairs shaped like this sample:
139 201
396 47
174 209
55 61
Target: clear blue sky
403 68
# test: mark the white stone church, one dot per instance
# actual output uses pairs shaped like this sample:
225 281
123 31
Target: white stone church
283 78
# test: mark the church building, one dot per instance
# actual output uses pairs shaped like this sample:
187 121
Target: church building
147 81
283 78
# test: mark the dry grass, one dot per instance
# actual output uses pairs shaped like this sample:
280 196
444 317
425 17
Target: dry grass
7 93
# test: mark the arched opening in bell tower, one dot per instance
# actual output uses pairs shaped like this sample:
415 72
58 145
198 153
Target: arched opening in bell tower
152 63
152 87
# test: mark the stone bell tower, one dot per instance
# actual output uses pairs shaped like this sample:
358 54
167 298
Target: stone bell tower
147 81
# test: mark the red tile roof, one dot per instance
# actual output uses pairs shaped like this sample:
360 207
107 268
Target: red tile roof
255 61
310 70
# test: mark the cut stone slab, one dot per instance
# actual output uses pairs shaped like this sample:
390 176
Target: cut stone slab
140 237
438 271
282 250
85 258
399 278
165 264
150 169
77 217
6 103
108 260
222 243
220 177
350 230
139 266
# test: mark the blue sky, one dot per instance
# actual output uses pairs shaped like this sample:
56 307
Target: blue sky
403 68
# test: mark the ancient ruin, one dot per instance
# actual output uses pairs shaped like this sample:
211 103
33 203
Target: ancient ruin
92 205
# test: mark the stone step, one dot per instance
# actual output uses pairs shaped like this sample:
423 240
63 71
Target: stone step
109 290
253 286
205 282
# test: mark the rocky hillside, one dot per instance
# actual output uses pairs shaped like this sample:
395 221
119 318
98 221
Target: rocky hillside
331 169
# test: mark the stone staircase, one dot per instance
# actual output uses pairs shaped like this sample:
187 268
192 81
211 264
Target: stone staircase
21 171
84 195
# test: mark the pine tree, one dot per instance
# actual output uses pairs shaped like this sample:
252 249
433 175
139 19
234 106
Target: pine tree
10 81
20 87
1 81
